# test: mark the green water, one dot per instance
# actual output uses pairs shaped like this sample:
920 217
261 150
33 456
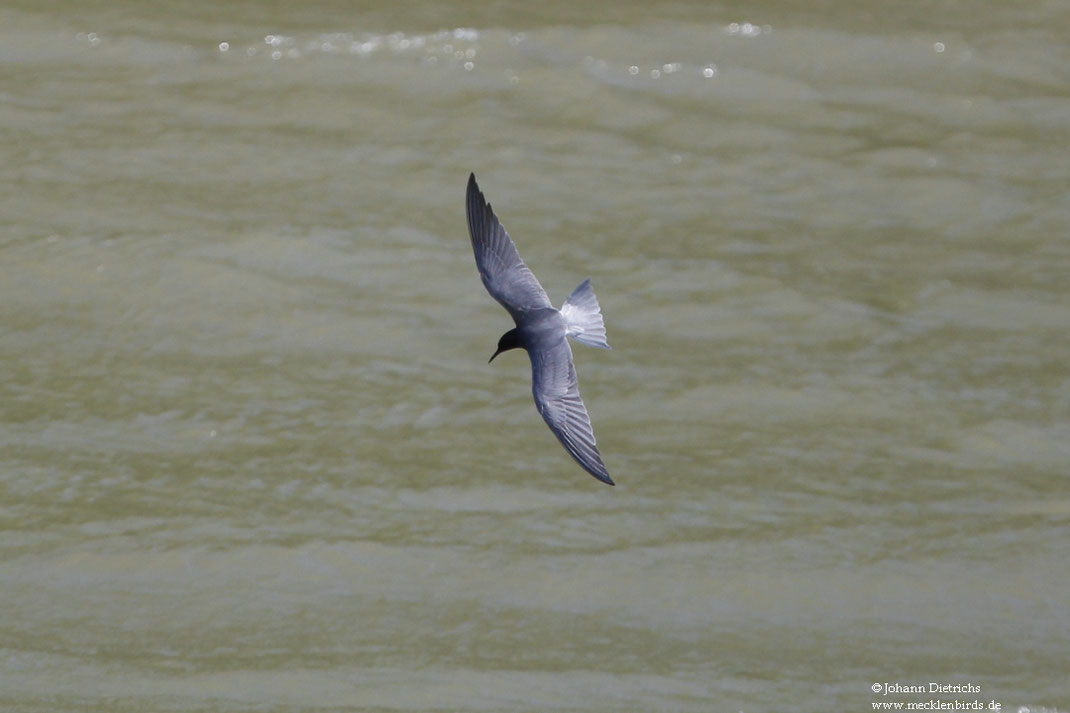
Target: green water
252 456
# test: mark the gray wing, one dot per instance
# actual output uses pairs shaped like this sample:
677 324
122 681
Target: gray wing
504 274
557 396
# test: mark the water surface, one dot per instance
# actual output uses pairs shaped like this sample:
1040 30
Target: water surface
252 456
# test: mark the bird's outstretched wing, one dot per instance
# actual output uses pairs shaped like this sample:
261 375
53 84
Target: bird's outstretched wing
557 396
504 274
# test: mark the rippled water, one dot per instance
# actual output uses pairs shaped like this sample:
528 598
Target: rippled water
252 456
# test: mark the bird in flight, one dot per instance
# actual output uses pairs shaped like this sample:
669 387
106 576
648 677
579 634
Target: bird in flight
541 330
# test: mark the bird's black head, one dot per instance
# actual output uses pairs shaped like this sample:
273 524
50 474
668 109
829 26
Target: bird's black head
509 340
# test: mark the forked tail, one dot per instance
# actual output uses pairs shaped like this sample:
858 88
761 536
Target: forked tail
583 317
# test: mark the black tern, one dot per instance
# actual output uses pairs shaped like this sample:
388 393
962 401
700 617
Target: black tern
541 330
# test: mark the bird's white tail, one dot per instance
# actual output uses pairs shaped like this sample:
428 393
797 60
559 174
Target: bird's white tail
583 317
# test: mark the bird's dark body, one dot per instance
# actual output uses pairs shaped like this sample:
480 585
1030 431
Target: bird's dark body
539 326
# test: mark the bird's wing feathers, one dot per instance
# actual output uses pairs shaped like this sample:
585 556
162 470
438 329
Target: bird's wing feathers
557 396
504 274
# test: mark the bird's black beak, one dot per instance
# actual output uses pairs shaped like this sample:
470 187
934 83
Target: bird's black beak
494 355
